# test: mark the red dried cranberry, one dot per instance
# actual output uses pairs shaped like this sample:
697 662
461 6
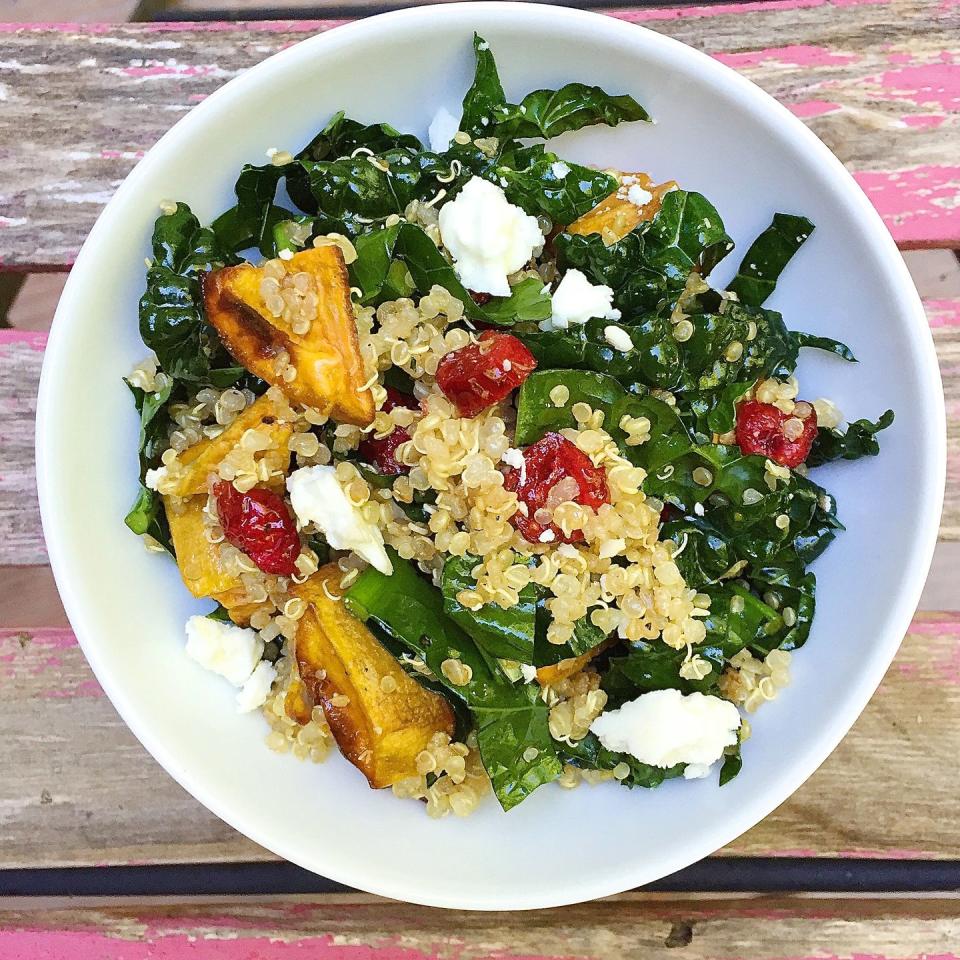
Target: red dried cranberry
760 431
480 298
259 523
481 374
550 461
382 452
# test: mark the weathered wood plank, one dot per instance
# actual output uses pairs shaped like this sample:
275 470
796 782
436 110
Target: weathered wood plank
630 927
86 793
874 78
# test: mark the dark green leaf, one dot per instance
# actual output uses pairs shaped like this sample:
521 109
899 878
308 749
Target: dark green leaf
548 113
485 98
858 440
559 190
590 754
502 632
763 263
823 343
732 763
537 414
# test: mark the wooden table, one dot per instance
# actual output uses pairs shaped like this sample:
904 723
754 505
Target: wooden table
879 82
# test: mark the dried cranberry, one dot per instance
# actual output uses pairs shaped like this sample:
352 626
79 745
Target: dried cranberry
760 431
548 466
480 298
483 373
382 451
259 523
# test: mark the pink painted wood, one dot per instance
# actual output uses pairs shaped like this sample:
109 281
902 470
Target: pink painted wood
877 80
635 926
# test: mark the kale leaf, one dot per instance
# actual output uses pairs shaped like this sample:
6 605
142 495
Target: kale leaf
767 257
858 440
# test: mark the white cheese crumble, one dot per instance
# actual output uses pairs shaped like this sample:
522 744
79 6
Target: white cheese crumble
528 672
665 727
224 648
618 338
442 128
513 458
559 169
576 300
256 688
488 237
318 498
638 196
153 478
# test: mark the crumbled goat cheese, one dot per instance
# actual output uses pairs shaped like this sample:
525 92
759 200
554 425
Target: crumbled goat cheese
256 689
513 457
559 169
318 498
528 672
665 728
576 300
488 237
224 648
638 196
618 338
442 128
696 771
153 478
548 536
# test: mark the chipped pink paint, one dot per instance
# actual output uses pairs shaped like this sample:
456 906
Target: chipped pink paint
33 339
91 944
924 84
796 55
943 313
717 10
924 120
813 108
921 206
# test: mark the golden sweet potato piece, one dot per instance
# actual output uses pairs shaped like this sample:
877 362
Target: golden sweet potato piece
203 458
197 558
614 217
380 717
567 668
297 703
329 369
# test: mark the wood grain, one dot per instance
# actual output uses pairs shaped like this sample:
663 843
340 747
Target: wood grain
633 926
875 79
86 793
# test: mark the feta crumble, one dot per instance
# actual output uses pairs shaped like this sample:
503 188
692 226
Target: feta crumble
576 300
618 338
256 688
513 458
638 196
665 727
528 672
318 498
224 648
559 169
488 237
442 128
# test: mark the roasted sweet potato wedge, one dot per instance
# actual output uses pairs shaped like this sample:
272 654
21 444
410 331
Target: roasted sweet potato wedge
203 458
567 668
329 369
614 217
199 560
380 717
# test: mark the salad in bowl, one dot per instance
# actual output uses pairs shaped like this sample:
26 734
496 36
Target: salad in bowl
491 488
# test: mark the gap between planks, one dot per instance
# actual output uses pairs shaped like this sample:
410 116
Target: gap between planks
87 794
633 926
875 79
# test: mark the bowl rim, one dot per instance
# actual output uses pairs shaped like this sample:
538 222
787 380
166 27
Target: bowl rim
807 758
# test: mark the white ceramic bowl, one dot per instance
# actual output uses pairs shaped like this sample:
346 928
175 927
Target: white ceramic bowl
716 133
